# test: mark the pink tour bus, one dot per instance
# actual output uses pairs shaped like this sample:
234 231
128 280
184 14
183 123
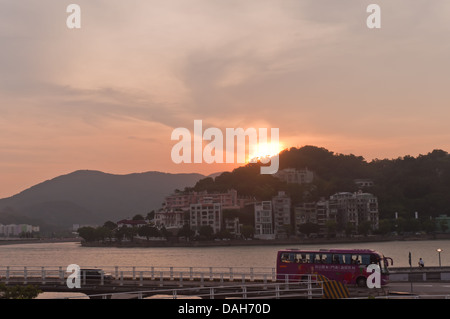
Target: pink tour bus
345 265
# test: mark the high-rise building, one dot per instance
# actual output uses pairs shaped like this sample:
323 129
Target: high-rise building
281 208
263 220
207 213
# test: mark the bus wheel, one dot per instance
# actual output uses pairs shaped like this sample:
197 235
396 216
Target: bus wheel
361 282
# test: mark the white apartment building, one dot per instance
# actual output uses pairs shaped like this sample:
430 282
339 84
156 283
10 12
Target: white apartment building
263 220
13 230
206 214
281 208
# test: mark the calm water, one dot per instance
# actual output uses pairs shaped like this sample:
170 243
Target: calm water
63 254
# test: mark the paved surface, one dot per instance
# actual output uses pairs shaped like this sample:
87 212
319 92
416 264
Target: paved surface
421 288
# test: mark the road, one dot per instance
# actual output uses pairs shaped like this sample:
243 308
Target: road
420 288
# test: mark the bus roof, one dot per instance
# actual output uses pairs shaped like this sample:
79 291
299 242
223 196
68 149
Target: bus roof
333 250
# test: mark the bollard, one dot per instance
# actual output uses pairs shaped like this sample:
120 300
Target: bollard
251 274
171 273
102 278
287 282
121 278
181 279
141 278
116 275
244 292
153 273
309 287
84 277
210 274
191 275
134 273
25 275
7 274
61 275
43 275
161 278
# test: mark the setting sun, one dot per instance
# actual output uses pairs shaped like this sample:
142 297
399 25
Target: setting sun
264 151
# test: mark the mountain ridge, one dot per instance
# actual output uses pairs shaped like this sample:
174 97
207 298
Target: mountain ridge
91 196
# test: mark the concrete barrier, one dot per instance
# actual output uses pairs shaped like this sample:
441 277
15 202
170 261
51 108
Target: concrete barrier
419 274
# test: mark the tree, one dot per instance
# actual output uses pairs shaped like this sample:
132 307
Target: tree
185 231
444 226
349 229
364 228
206 232
148 231
138 217
103 232
309 228
87 233
248 231
331 226
19 292
110 225
150 215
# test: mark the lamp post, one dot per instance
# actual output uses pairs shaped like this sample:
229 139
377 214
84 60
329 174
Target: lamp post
439 252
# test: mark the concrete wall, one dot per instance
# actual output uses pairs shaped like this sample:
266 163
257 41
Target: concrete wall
419 275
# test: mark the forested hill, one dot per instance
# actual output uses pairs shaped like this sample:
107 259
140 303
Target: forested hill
404 185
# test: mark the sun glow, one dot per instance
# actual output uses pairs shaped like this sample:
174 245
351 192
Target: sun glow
264 151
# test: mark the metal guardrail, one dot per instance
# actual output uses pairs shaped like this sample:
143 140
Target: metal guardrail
44 274
208 281
299 289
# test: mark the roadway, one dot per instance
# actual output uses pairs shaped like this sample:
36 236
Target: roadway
419 288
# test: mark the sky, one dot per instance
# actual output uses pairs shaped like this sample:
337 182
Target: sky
109 95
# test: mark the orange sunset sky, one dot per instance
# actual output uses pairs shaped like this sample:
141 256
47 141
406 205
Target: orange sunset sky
108 96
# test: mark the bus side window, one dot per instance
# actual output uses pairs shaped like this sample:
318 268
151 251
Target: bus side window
356 259
285 258
347 259
365 259
302 258
337 259
323 259
320 259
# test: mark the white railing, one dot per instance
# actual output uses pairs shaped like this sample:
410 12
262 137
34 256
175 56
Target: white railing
300 289
44 274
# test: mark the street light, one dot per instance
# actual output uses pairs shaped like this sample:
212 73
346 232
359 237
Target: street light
439 252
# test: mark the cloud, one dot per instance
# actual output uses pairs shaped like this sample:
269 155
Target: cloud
137 69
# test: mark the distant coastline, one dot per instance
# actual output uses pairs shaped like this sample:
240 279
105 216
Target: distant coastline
17 241
254 242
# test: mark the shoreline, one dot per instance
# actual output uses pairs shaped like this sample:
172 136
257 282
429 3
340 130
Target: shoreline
138 243
18 241
256 242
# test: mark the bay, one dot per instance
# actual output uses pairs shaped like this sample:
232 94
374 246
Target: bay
63 254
